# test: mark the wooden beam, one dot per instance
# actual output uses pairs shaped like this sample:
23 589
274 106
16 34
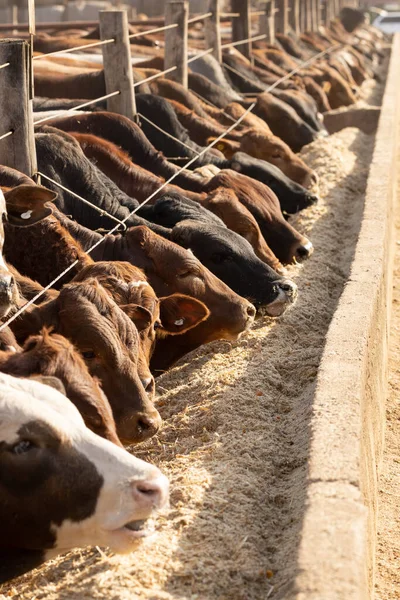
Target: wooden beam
212 30
16 115
294 16
267 22
118 73
176 41
241 26
282 16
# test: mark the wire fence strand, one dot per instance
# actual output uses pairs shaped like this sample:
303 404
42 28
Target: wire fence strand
199 55
102 43
199 18
66 112
163 186
155 76
2 137
245 41
96 208
166 133
156 30
3 66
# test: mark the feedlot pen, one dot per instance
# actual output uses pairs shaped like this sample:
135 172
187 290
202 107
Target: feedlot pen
236 436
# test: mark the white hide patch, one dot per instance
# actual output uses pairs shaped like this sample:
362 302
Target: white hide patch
121 498
137 284
308 246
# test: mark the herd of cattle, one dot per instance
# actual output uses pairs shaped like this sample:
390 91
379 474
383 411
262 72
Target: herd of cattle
199 262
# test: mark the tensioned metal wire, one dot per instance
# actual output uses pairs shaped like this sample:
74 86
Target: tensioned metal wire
167 182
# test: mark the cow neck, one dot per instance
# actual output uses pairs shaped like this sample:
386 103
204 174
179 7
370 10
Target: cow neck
32 320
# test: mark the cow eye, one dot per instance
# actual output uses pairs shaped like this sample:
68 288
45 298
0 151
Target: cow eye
89 354
157 325
22 447
220 257
4 217
276 155
184 274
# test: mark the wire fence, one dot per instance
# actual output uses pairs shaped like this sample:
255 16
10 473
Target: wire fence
76 48
180 170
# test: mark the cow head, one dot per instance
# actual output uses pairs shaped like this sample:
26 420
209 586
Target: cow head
75 498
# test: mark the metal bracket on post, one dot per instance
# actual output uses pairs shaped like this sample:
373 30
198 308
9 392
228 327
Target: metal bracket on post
118 72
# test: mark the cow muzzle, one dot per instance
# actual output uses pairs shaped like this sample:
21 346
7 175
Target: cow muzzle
7 293
286 297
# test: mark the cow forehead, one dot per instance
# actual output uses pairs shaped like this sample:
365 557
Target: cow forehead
24 400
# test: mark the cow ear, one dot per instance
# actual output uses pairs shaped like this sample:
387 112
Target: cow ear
141 317
140 234
181 235
26 204
51 381
179 313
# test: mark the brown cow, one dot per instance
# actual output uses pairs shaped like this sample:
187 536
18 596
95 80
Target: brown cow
51 354
109 343
285 242
22 208
172 315
171 268
140 184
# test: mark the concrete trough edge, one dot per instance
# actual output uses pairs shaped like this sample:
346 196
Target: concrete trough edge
337 545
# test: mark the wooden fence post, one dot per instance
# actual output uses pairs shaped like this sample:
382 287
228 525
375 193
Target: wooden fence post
312 17
281 19
176 40
18 149
317 14
212 32
267 22
328 12
294 16
303 15
241 26
118 73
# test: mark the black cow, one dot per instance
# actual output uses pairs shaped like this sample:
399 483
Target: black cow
225 253
292 196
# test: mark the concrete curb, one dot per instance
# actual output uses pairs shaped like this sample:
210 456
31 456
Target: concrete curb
337 547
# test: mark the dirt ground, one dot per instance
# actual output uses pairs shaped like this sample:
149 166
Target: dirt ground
235 440
388 546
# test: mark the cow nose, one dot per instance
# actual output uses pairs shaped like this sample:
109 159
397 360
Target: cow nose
251 311
312 199
151 493
148 385
289 287
304 251
314 179
147 425
6 285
